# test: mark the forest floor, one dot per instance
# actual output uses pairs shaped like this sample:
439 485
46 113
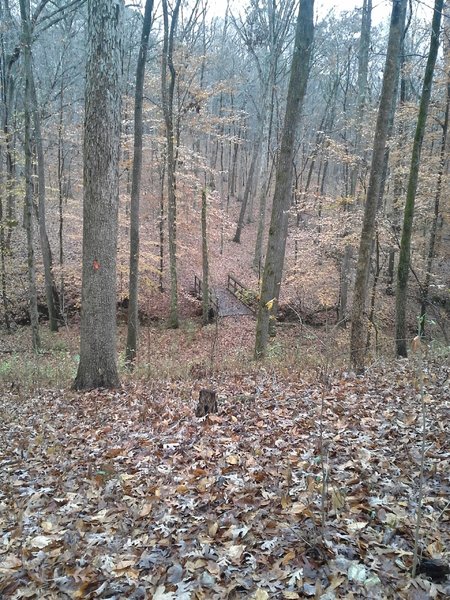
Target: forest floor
304 484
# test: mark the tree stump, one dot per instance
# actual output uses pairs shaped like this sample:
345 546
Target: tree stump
207 403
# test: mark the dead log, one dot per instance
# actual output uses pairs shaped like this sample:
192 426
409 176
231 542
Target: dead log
207 403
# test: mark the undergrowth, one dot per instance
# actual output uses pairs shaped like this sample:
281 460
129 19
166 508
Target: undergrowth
185 354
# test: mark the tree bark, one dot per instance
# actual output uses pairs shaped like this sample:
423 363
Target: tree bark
343 286
9 56
34 315
51 291
161 224
207 403
133 288
363 68
358 335
408 217
398 179
276 246
168 88
98 365
251 176
264 192
205 264
438 193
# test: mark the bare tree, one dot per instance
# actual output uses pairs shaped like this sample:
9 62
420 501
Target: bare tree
273 23
205 262
405 244
425 291
28 223
276 246
133 320
168 77
358 335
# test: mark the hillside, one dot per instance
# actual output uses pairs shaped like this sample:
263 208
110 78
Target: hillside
298 487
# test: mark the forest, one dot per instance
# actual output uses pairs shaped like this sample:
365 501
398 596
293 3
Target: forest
224 299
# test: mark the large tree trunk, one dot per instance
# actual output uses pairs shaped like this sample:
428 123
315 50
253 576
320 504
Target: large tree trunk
276 246
133 291
98 365
358 336
405 244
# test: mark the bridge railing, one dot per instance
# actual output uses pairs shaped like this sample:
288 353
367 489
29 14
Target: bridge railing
242 293
199 294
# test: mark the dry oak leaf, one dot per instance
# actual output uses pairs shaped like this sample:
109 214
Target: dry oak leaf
10 563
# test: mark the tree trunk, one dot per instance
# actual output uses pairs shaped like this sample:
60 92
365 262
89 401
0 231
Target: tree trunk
358 334
398 183
207 403
61 195
205 265
250 177
277 20
234 162
405 244
438 194
168 88
133 289
51 292
376 277
261 218
276 246
34 315
363 64
10 55
3 272
363 67
161 220
344 281
98 365
161 225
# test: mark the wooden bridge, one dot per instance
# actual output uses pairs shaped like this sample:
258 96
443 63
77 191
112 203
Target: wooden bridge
229 301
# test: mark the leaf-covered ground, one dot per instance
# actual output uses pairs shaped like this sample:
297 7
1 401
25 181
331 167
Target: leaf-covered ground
126 494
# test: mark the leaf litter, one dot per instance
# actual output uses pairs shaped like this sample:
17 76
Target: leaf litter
125 493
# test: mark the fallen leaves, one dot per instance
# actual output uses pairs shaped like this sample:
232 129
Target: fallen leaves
97 501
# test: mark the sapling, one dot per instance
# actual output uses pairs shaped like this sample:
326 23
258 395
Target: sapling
417 349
